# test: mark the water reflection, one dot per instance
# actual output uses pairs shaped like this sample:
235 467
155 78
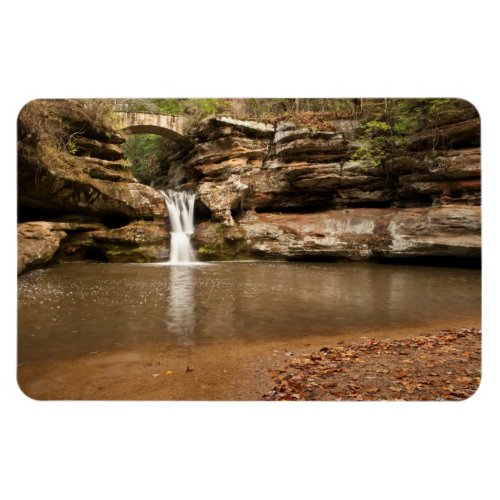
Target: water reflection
180 317
75 309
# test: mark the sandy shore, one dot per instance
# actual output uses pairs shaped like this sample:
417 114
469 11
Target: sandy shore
234 371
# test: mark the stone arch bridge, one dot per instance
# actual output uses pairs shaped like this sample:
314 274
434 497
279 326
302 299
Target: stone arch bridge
168 126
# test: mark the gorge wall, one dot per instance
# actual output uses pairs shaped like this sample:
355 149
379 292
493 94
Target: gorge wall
281 191
263 191
79 200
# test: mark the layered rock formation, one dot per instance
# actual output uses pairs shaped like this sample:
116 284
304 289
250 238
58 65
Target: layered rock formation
263 191
354 234
288 192
83 202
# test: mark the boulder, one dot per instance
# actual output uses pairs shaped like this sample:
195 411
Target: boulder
136 242
221 198
38 242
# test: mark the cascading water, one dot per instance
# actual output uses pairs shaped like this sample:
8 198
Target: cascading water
180 206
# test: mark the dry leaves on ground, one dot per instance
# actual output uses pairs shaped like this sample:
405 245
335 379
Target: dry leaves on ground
442 366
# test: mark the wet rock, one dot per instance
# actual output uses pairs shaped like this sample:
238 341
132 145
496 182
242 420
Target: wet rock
440 232
135 242
353 234
38 242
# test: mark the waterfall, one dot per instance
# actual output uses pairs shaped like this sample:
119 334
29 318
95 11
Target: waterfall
180 206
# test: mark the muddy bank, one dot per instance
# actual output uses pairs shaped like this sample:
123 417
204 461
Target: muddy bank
247 371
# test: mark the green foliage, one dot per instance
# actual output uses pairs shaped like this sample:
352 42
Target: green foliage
432 112
378 142
145 152
170 106
210 106
388 123
72 144
376 128
186 107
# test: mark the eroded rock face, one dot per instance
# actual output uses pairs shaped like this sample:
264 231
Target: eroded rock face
38 242
98 149
137 242
295 193
64 184
351 233
238 166
450 135
447 177
272 191
95 182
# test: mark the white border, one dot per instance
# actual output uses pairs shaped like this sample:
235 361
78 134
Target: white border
239 450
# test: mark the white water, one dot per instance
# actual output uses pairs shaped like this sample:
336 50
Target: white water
180 205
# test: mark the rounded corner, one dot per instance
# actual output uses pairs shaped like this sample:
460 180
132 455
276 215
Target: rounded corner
26 104
24 391
471 104
468 398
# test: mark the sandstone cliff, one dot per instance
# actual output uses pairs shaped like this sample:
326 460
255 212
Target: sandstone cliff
282 191
264 190
77 198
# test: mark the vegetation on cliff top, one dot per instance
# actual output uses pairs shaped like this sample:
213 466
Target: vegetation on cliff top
57 122
381 126
383 134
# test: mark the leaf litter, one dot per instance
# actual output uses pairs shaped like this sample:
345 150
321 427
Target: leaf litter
445 366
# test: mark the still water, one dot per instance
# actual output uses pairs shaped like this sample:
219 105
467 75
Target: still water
80 308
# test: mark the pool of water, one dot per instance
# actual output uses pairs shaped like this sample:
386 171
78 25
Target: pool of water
79 308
